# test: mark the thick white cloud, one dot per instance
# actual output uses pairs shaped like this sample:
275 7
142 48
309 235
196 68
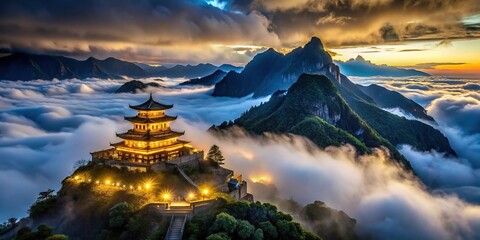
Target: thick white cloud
387 202
53 125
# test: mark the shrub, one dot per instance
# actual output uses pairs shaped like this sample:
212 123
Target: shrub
57 237
218 236
224 222
244 229
269 231
119 214
289 230
42 206
258 234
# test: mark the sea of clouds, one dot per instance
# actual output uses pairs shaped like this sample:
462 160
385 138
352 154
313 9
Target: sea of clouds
46 126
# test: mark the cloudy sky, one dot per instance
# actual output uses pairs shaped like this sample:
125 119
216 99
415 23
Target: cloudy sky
438 36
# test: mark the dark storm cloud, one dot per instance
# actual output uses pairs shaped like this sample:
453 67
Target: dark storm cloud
360 22
83 28
185 31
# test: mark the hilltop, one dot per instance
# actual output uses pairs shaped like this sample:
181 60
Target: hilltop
116 203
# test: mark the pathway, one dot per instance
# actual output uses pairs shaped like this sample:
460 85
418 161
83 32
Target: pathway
175 230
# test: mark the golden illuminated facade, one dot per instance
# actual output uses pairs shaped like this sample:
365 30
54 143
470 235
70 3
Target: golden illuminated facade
151 140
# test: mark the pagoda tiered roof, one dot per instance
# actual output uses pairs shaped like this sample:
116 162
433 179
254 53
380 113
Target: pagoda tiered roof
137 119
149 136
151 104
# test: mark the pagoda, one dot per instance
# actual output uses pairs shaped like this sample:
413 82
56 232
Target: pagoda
150 141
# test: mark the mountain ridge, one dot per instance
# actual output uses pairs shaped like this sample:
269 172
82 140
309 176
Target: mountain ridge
363 68
24 66
313 107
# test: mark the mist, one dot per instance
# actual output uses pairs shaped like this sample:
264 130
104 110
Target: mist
387 202
46 126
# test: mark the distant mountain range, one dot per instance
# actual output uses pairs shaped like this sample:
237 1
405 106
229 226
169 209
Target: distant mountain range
22 66
363 68
25 66
269 66
188 71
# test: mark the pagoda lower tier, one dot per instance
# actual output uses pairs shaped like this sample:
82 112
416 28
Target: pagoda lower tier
145 155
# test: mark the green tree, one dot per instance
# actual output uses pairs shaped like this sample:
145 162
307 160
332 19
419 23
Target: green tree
119 214
136 228
215 155
24 233
43 232
244 229
269 231
311 236
289 230
45 195
45 201
57 237
258 234
224 222
218 236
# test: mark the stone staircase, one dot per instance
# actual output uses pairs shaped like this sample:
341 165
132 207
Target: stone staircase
175 230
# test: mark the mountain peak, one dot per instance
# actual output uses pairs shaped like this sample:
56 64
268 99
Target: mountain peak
360 58
314 43
270 50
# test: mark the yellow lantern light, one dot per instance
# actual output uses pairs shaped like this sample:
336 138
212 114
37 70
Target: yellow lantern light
166 197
